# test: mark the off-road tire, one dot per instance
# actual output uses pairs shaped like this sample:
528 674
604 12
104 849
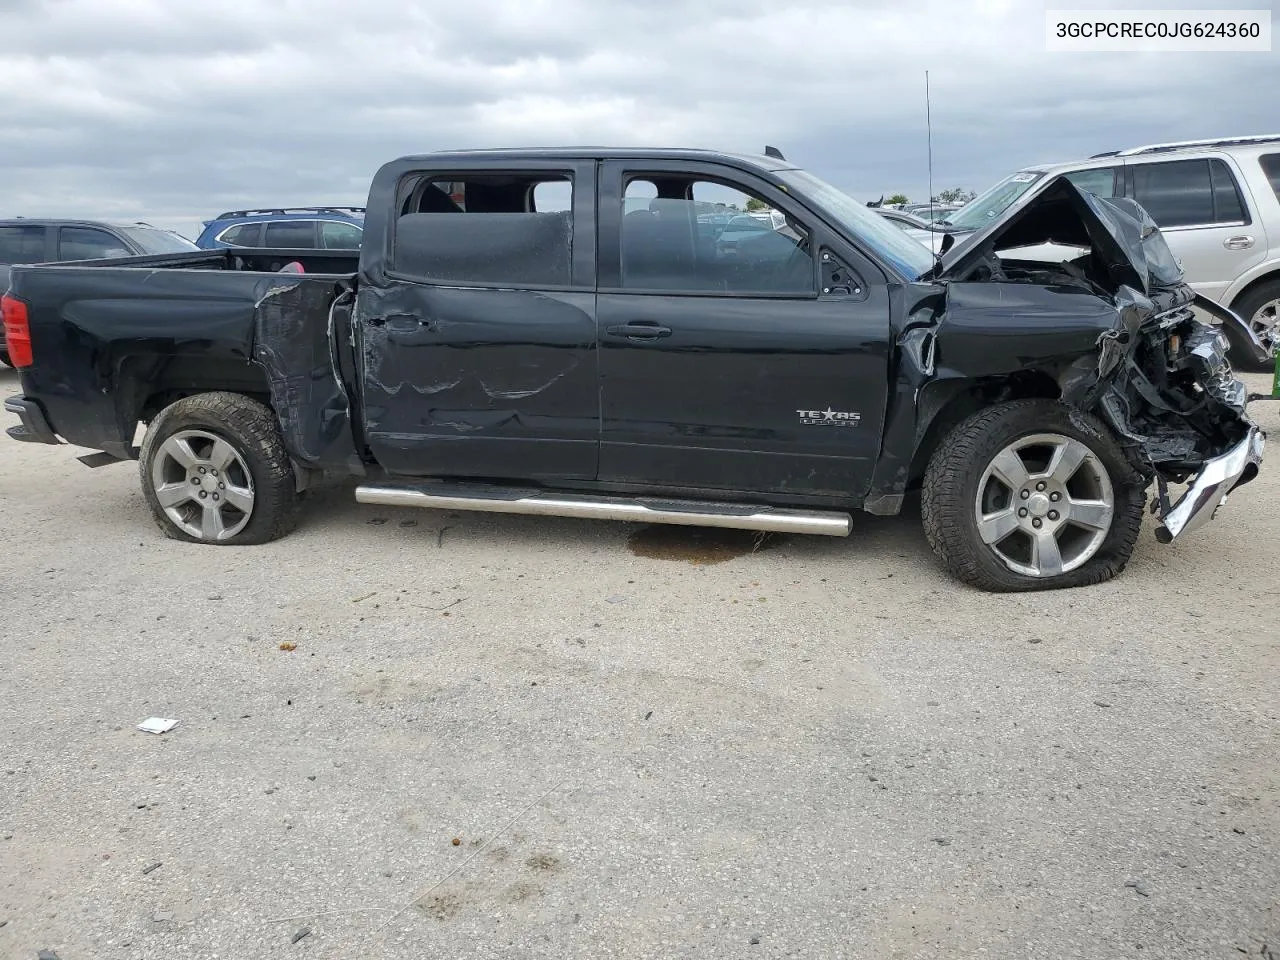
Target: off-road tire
956 468
252 431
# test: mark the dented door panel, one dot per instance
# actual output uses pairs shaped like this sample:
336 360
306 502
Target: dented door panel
477 382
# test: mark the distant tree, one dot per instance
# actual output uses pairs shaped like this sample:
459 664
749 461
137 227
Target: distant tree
754 205
956 195
897 198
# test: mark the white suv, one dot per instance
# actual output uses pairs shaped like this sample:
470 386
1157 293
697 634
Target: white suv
1216 201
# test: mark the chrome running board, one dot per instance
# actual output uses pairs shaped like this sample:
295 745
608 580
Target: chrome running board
697 513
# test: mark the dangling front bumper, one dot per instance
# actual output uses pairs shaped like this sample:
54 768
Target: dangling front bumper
1208 489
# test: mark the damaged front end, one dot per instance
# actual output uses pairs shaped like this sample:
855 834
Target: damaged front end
1158 375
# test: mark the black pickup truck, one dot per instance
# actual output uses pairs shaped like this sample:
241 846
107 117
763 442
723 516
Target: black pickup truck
579 333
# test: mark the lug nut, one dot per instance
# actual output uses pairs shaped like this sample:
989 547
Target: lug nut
215 496
203 494
1022 512
214 472
1055 497
1026 494
196 481
1040 485
1036 523
201 469
222 486
1053 514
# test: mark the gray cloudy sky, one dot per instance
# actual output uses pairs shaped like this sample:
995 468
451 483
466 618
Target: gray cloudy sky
170 111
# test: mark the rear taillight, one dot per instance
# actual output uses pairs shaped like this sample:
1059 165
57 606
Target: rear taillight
17 334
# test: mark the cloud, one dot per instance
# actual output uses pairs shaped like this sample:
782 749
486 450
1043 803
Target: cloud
169 112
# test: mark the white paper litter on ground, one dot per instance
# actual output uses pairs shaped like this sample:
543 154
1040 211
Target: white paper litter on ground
157 725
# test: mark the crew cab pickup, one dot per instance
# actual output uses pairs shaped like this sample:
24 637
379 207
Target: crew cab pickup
565 332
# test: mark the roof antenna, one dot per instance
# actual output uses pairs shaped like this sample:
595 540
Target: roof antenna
773 152
928 125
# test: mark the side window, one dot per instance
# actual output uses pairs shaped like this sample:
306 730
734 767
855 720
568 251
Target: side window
244 235
291 234
552 196
86 243
340 236
21 244
637 196
1100 182
1228 207
1271 167
702 236
1183 193
484 228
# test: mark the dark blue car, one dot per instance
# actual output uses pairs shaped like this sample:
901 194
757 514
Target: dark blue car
289 228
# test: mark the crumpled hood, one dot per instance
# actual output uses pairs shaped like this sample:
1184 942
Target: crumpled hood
1128 248
1126 241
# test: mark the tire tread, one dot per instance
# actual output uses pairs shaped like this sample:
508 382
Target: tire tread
946 501
253 429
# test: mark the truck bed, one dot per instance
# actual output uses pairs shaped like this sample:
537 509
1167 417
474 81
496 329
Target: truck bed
114 341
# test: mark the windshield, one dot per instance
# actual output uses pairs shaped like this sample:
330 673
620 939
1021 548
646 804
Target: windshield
152 240
984 208
909 257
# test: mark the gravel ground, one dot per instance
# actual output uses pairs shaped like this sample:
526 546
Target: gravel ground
417 734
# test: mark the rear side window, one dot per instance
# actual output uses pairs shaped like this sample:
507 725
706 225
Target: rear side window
86 243
1185 193
1271 167
1100 182
24 244
291 234
245 235
340 236
491 229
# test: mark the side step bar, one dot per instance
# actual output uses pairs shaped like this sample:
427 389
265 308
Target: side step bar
697 513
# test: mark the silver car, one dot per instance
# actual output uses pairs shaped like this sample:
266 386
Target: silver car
1217 202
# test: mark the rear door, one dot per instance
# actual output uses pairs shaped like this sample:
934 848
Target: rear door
1200 207
734 355
25 243
292 234
478 332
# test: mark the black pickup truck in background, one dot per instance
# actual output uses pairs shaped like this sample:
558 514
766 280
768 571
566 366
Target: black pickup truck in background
562 332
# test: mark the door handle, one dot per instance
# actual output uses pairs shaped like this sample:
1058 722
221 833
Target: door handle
404 322
639 330
1238 243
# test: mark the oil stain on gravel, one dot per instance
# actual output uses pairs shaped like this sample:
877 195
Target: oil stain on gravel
698 545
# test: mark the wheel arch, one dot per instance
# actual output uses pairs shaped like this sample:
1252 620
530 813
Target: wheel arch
944 404
1268 272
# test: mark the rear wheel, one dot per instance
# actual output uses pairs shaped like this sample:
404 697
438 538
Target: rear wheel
1031 495
214 470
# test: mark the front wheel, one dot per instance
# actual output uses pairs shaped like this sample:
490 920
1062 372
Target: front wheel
214 470
1031 495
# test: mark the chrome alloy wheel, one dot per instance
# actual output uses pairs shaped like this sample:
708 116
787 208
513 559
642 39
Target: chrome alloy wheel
1044 505
1263 322
203 485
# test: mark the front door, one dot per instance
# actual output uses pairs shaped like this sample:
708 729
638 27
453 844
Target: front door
478 333
742 347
